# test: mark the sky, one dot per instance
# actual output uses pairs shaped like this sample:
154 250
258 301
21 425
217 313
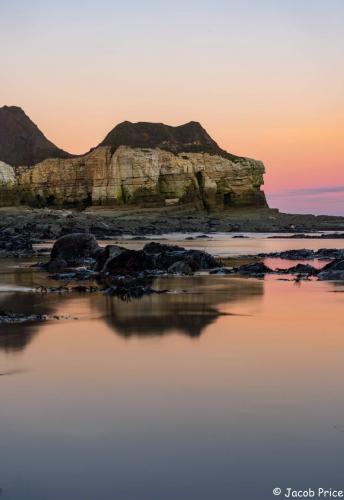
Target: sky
265 78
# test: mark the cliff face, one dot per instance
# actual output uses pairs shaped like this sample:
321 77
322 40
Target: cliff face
140 164
154 175
8 184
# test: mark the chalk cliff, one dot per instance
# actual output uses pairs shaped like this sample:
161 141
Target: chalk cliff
145 164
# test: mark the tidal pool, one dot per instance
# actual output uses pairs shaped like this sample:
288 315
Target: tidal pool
222 389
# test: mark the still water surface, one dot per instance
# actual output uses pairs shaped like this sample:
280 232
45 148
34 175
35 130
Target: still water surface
222 392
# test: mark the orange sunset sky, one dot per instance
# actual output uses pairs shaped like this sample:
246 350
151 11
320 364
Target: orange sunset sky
265 78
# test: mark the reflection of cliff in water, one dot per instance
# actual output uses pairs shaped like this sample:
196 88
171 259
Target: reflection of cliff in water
16 337
189 312
189 309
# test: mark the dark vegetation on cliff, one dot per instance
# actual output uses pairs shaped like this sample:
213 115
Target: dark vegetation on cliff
188 138
21 141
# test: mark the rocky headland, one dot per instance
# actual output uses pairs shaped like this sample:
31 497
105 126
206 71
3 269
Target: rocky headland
137 164
143 178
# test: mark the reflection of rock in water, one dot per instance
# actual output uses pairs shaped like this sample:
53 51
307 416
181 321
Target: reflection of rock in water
338 286
188 312
15 337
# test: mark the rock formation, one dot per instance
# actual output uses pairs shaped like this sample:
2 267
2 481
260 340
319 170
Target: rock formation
21 141
145 164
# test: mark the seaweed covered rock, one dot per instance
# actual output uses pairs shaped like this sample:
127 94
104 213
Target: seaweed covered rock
164 256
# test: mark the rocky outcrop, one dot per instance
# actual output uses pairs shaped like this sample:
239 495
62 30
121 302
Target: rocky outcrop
333 271
56 182
82 249
13 244
21 141
141 164
8 183
136 175
7 174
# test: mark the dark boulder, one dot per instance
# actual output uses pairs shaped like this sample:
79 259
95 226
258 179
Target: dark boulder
164 256
127 262
105 255
336 265
255 269
199 260
304 269
154 248
82 248
180 267
75 248
153 257
56 265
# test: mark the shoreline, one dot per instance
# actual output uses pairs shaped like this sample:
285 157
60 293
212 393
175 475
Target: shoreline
79 264
45 223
